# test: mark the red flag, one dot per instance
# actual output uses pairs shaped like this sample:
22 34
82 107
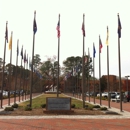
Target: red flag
58 29
100 44
83 29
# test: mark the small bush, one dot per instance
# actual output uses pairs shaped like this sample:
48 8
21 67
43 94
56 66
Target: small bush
89 108
9 109
72 105
96 106
15 105
27 108
43 105
103 108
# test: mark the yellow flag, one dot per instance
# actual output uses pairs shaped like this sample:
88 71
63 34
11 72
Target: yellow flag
10 43
107 36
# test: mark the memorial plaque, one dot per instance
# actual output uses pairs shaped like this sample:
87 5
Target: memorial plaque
58 103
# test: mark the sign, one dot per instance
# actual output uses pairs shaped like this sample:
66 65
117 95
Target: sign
53 103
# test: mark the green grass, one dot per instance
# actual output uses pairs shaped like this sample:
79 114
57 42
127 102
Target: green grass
37 102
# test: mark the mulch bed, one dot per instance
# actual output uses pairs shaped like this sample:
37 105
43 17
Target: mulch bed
40 112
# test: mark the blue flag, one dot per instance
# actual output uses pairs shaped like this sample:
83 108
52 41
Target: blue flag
119 27
6 33
22 52
17 48
34 25
94 51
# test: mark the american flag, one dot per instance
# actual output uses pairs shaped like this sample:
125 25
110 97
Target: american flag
58 29
83 29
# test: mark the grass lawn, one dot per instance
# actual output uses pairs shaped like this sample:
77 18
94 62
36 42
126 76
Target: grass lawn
37 102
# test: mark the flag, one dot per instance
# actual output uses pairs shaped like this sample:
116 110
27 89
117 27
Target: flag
22 52
119 27
100 44
29 63
107 36
83 29
25 56
6 33
85 59
94 51
10 43
88 53
34 25
17 48
58 29
27 59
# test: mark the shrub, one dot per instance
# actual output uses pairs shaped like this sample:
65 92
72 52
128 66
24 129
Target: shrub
89 108
72 105
9 109
103 108
27 108
15 105
96 106
43 105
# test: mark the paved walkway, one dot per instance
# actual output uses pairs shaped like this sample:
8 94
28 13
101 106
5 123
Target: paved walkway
103 122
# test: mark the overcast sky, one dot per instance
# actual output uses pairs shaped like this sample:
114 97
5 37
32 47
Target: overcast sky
98 15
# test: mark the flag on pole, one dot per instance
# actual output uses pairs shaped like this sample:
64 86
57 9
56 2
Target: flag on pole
25 56
6 33
27 59
100 44
34 24
85 59
10 43
29 63
94 50
22 52
17 49
58 29
107 36
88 53
83 29
119 27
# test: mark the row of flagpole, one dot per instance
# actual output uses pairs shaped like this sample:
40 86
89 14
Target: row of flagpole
25 60
94 51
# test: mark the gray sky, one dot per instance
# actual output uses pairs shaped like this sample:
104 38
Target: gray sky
98 15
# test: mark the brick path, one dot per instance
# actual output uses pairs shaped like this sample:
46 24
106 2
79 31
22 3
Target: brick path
55 123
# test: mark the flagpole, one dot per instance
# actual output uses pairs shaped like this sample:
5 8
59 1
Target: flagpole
94 72
3 68
108 71
58 62
16 71
119 68
26 76
83 74
88 75
31 85
10 69
100 73
21 71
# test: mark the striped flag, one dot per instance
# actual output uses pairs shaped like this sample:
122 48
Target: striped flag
83 29
58 29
